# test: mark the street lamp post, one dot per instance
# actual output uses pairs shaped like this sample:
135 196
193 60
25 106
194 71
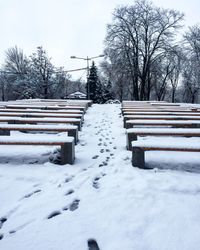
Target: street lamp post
88 69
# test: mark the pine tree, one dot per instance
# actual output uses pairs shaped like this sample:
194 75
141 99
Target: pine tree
92 83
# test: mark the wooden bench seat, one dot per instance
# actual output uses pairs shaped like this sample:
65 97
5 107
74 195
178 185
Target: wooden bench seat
59 111
161 113
41 114
159 110
39 106
159 117
133 133
20 120
70 129
139 148
185 123
67 152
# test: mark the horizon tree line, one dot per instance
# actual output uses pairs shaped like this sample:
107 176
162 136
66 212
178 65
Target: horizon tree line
147 58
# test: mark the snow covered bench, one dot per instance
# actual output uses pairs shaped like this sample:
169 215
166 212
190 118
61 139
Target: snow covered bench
67 153
159 117
70 129
20 120
59 111
39 106
139 148
185 123
187 113
182 110
41 114
133 133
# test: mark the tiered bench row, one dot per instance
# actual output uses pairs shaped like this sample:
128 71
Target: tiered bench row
44 116
167 119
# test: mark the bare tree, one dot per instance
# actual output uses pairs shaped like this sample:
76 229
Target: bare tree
140 34
16 62
42 71
191 74
176 58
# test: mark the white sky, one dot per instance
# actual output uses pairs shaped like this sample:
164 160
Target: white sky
68 27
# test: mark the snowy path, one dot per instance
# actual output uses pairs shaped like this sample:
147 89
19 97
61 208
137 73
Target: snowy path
101 202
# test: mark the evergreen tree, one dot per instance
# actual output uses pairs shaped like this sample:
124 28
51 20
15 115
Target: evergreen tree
98 92
92 83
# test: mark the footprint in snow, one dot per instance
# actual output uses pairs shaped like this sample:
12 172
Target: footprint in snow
70 191
95 156
30 194
1 236
20 227
95 183
68 179
102 150
73 206
53 214
2 221
12 232
92 245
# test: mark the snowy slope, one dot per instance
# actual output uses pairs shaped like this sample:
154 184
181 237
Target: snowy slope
101 196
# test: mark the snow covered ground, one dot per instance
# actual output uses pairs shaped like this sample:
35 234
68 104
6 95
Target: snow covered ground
44 206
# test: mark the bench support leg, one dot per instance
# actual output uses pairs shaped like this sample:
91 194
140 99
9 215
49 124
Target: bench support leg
4 132
125 119
74 133
138 159
67 153
128 125
79 126
129 138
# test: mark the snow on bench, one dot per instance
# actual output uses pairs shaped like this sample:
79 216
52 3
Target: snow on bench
140 109
59 111
185 123
41 114
139 148
133 133
39 106
159 117
70 129
67 152
162 113
14 120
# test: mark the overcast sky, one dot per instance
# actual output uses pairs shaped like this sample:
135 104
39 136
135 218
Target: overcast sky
68 27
